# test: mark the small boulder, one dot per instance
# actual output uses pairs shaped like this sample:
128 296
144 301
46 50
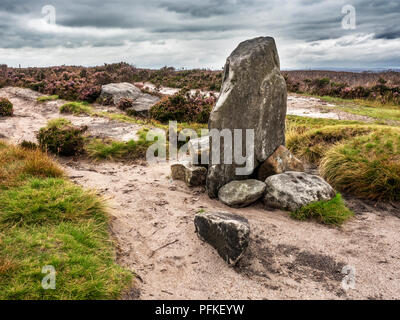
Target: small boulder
293 190
240 194
280 161
228 233
112 93
193 176
200 150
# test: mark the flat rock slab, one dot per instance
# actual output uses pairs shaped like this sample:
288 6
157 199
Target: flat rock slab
241 193
293 190
193 176
228 233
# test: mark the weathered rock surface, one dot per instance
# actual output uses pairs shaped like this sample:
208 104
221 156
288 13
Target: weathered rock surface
112 93
193 176
200 150
253 96
226 232
293 190
280 161
241 193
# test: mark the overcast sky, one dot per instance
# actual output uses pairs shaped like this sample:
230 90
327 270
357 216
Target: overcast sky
198 33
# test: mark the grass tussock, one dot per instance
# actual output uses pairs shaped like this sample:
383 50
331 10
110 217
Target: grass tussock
367 166
17 163
76 108
103 149
311 145
332 212
43 99
46 220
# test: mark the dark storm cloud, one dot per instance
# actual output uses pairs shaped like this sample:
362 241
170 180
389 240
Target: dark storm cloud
114 23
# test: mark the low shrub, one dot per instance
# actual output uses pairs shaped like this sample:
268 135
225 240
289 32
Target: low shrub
183 107
61 137
333 212
366 166
6 108
124 104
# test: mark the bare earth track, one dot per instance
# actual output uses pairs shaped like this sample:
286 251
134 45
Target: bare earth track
152 222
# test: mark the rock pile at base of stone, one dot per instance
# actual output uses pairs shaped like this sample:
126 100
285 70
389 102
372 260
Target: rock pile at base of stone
241 193
280 161
193 176
293 190
228 233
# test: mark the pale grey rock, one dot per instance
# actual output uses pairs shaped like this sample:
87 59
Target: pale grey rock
241 193
253 96
293 190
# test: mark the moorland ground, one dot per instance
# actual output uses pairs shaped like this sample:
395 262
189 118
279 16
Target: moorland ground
152 215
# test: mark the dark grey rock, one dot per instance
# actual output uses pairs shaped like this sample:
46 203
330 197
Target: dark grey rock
253 96
228 233
293 190
241 193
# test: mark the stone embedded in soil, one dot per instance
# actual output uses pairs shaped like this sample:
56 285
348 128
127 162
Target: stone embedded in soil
293 190
200 150
280 161
228 233
241 193
193 176
114 92
253 96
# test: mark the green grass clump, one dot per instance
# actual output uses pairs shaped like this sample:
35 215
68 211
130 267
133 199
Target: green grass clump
47 98
76 108
6 108
117 150
312 144
61 137
366 166
47 220
332 212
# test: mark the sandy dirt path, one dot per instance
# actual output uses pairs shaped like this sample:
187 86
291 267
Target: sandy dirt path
152 222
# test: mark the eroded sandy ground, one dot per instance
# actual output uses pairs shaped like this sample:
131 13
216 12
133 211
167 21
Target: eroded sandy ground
153 227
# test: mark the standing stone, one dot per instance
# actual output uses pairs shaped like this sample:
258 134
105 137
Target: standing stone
253 96
226 232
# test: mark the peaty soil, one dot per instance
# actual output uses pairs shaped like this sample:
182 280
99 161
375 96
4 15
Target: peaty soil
152 222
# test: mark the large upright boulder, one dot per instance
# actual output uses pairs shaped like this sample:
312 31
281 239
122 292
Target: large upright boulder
253 96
